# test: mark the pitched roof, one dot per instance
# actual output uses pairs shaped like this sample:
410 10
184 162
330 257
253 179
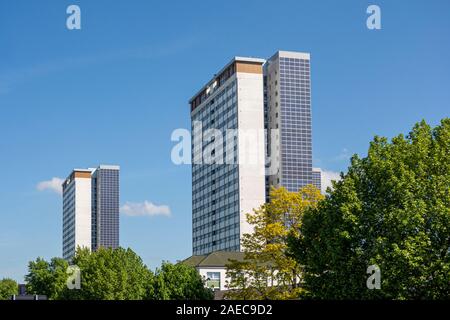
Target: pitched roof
214 259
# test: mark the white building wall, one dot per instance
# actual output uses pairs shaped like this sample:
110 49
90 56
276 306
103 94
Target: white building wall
83 210
223 278
251 152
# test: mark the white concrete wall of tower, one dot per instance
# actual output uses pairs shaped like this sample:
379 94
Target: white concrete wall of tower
251 155
83 221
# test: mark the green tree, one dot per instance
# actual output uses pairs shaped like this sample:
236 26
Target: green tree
8 287
47 278
106 274
391 209
114 274
111 274
268 270
179 282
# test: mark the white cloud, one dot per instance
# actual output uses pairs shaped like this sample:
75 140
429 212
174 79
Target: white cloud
54 185
326 177
145 208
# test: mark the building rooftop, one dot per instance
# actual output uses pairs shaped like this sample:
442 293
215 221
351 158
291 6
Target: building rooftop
291 54
82 170
234 60
110 167
214 259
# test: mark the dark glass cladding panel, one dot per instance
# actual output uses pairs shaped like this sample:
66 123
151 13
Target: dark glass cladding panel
296 135
108 208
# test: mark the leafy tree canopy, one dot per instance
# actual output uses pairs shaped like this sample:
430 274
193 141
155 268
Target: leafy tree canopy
179 282
268 270
391 209
8 287
47 278
113 274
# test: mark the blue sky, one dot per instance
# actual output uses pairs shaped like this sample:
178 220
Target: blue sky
114 91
